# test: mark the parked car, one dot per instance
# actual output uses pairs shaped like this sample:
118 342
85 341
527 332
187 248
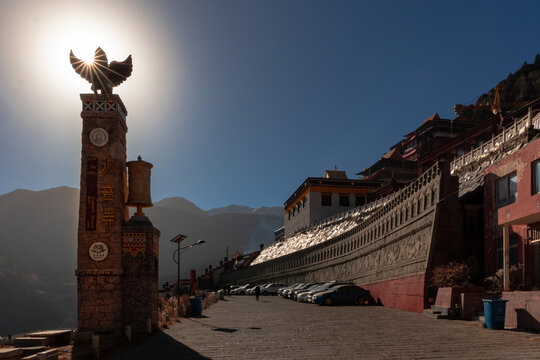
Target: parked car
297 292
303 296
344 294
282 291
325 287
242 289
271 289
290 294
286 291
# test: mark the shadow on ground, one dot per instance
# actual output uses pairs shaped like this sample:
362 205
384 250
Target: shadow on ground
158 346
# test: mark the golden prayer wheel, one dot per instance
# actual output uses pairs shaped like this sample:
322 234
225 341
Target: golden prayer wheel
139 184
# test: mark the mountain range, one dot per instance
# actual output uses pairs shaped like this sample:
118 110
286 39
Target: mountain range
38 243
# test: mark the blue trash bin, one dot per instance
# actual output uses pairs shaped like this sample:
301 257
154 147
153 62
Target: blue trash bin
196 306
494 312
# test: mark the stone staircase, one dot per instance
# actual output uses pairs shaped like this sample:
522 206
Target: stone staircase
438 312
37 345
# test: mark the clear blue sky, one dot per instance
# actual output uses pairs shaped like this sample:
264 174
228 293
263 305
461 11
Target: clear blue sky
240 101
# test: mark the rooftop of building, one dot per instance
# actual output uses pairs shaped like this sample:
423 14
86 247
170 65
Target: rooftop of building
340 181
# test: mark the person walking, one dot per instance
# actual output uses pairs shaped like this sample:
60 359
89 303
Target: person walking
257 292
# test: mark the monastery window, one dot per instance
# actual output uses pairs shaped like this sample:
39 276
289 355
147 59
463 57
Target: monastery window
507 190
360 200
513 250
298 210
412 210
326 199
343 199
294 211
536 176
407 214
289 215
304 202
401 217
418 203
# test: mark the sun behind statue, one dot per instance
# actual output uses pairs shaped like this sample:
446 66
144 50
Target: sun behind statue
100 74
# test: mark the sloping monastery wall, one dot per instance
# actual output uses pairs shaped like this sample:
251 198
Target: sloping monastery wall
387 252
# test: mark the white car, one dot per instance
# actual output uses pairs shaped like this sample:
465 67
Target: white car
271 289
242 289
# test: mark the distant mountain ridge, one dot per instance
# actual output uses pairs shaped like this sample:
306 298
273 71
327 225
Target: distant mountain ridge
38 247
180 203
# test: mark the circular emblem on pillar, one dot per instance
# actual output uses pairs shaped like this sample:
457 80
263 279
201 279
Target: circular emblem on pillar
99 137
98 251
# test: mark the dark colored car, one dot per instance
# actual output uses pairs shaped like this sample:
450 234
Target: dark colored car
344 295
325 287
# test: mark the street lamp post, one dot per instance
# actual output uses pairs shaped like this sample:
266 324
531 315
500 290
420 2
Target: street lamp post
176 257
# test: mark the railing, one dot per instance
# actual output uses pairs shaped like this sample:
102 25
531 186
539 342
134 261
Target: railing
508 133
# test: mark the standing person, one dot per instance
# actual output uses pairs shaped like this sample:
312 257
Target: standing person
257 292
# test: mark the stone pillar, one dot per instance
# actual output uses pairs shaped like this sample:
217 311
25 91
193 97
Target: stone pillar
140 254
506 257
140 277
102 213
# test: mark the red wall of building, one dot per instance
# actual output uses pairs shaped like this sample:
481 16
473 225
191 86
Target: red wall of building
405 293
527 204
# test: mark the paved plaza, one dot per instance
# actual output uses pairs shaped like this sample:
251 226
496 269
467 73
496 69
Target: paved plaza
275 328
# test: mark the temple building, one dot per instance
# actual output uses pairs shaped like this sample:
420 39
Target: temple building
434 130
392 170
320 197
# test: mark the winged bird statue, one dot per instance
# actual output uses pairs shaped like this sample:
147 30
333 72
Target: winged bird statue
102 75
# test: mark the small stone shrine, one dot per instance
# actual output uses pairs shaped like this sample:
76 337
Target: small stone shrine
117 256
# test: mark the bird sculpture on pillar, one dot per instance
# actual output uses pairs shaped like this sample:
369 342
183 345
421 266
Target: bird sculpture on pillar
102 75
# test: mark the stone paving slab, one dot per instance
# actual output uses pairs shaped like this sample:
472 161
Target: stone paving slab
276 328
